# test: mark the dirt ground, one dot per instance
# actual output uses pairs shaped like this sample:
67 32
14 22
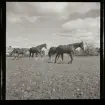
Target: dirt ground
38 79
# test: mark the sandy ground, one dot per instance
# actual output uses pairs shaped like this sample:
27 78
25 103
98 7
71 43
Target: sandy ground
38 79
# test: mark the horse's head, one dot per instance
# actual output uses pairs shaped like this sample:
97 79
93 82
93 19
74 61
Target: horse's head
82 45
45 45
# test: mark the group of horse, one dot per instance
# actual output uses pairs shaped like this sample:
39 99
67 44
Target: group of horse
59 51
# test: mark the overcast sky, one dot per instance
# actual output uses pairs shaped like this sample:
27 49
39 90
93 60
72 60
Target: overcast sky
30 24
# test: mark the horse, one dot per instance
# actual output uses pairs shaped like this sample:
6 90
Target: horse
68 49
52 51
18 51
37 49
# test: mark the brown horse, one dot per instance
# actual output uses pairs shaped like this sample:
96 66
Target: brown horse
69 49
52 51
37 49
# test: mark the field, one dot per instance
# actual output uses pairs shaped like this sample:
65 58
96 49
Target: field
38 79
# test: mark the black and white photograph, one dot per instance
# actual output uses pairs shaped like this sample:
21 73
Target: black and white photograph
52 50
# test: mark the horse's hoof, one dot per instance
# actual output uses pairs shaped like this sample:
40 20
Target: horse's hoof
68 62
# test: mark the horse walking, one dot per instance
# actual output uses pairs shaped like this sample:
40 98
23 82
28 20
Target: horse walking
52 51
69 49
17 52
36 50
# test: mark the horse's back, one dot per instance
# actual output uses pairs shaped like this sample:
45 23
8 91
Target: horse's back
64 48
34 49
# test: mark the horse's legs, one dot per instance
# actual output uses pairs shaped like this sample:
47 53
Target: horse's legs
18 56
71 56
32 55
50 54
22 54
14 57
62 57
56 56
50 57
36 54
41 55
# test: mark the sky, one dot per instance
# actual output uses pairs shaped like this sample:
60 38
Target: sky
29 24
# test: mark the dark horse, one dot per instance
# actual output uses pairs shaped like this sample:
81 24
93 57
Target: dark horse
69 49
37 49
17 52
52 51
